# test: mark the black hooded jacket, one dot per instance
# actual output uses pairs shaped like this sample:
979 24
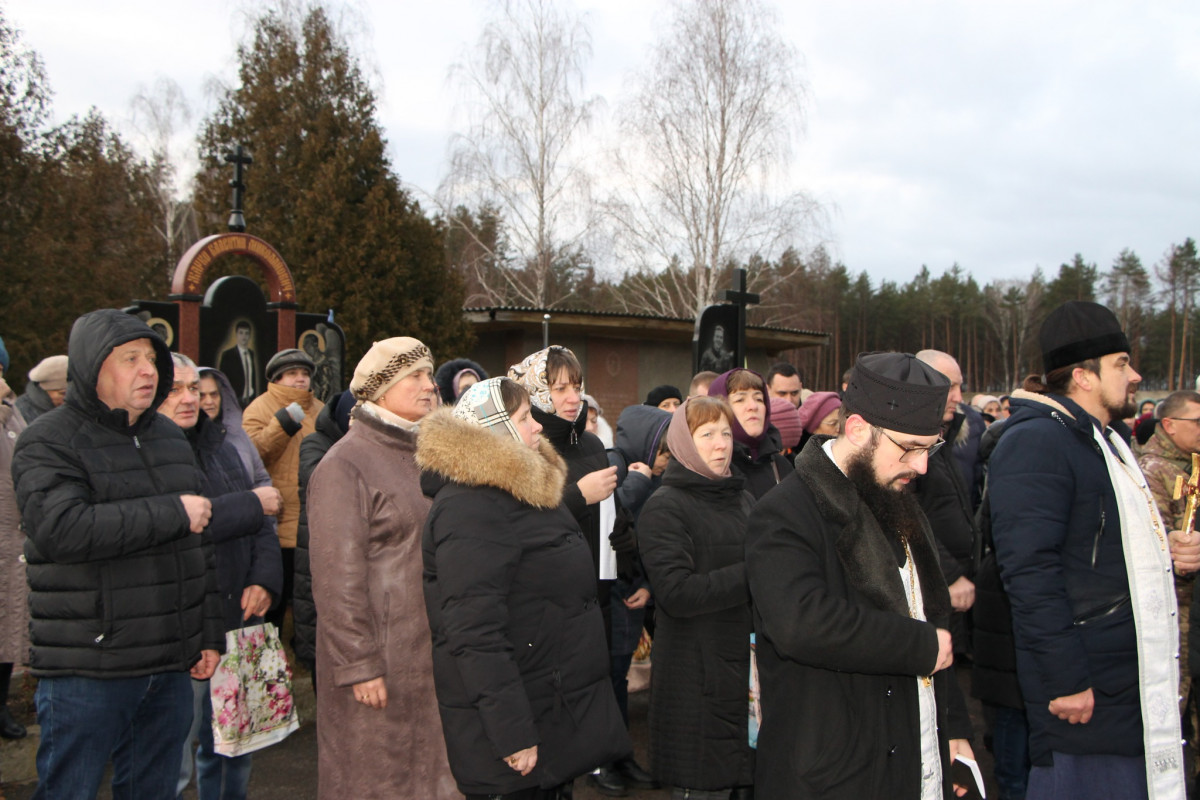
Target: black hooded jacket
444 377
119 586
640 430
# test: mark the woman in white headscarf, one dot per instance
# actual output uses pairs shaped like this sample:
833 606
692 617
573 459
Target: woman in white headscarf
519 655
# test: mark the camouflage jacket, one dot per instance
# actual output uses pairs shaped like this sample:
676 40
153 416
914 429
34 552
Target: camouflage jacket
1161 461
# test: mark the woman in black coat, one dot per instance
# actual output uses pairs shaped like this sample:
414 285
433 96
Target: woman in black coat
554 380
757 449
519 657
692 537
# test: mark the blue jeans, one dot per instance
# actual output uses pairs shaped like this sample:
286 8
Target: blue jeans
1089 777
1010 746
217 777
138 723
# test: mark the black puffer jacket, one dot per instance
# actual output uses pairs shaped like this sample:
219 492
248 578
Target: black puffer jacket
304 611
584 453
244 541
693 535
119 586
519 656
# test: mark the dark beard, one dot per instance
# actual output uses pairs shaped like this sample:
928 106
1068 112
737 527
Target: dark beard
1122 410
897 512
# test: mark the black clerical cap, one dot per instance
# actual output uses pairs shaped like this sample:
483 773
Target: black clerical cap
898 392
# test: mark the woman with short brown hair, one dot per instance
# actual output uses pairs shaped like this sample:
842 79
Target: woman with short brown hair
692 537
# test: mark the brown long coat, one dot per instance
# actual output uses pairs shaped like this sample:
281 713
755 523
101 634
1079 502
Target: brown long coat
14 608
365 514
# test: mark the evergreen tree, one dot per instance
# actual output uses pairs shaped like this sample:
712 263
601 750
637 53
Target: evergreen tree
1075 281
75 227
322 192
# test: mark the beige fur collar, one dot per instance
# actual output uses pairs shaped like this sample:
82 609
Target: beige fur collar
1044 399
472 456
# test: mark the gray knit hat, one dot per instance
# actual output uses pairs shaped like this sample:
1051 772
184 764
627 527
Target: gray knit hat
50 373
284 360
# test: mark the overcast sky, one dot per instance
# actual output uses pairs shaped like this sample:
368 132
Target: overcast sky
1000 136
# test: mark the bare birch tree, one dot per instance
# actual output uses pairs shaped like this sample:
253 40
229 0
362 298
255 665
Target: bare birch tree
705 143
519 154
159 115
1179 274
1012 313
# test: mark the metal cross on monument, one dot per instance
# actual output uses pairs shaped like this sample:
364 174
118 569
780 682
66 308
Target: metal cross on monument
741 298
240 160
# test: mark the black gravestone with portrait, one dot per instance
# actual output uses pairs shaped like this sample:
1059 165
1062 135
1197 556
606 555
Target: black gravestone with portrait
238 336
237 330
714 343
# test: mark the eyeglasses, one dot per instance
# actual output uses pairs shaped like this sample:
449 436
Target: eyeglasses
912 452
1185 419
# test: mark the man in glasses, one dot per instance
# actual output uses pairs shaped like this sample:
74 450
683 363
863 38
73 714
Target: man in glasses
1087 565
945 497
851 609
1166 456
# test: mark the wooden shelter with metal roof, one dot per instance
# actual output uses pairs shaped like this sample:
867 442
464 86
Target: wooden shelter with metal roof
624 356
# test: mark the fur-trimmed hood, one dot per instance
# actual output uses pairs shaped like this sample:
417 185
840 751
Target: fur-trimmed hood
459 452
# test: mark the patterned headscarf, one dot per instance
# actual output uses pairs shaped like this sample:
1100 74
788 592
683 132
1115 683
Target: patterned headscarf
482 404
531 373
386 363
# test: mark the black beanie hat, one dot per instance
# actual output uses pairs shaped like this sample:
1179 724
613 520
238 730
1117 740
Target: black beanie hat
898 392
284 360
1078 330
660 393
343 403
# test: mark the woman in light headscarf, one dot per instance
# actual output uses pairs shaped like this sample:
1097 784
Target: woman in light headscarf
519 655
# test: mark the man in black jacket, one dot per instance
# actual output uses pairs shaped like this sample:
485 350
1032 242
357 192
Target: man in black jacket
1086 562
946 501
249 568
122 597
851 608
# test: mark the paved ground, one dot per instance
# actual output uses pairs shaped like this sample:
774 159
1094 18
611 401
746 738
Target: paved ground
288 771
